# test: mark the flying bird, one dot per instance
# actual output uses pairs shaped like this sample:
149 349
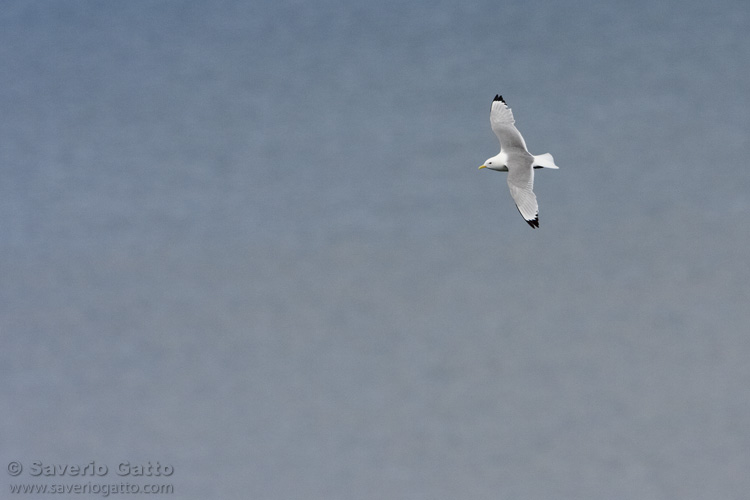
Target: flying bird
515 159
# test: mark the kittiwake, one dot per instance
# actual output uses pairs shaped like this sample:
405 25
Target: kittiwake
515 159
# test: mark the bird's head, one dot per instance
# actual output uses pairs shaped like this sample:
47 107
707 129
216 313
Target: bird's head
495 163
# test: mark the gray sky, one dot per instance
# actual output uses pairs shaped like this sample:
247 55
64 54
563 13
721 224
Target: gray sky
250 240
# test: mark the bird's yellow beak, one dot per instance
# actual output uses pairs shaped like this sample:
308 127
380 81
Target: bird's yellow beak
483 166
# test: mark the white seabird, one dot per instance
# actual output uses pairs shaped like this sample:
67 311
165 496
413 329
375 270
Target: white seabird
515 159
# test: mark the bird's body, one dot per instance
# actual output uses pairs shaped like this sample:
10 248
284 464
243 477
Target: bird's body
515 159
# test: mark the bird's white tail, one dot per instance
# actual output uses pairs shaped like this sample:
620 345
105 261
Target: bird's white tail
544 161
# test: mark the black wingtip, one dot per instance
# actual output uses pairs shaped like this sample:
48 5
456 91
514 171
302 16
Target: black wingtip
533 223
499 98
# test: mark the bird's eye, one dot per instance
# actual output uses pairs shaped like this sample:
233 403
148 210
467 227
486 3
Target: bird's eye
489 163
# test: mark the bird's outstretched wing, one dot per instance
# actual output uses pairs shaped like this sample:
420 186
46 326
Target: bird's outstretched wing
521 184
502 121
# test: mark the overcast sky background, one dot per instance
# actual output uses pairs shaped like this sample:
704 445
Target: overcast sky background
250 240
